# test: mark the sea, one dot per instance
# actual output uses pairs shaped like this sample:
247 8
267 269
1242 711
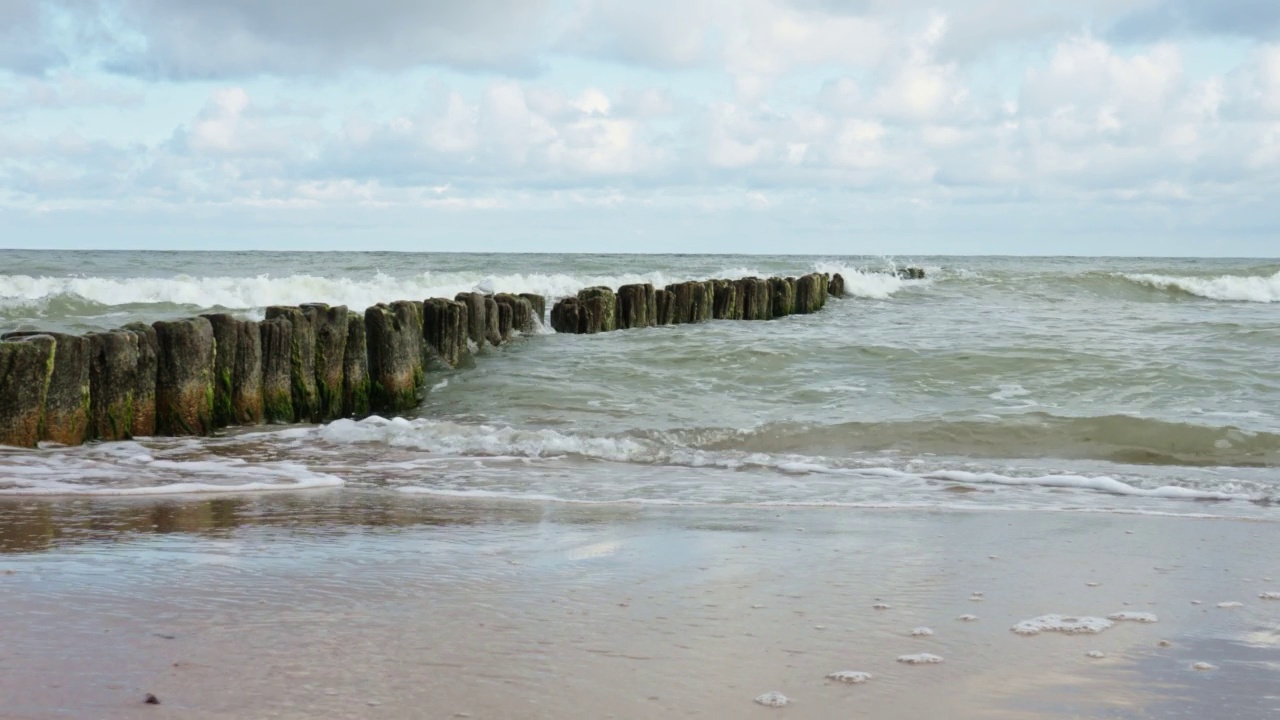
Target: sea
1059 384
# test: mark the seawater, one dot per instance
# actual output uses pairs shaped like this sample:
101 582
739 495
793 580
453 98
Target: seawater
1070 384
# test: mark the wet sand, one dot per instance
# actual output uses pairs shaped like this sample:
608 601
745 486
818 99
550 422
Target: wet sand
348 604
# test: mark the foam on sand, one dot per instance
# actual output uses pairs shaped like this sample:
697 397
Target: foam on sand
1269 596
773 699
1230 604
852 677
1065 624
1140 617
131 469
920 659
1203 666
967 618
921 632
1100 484
1095 654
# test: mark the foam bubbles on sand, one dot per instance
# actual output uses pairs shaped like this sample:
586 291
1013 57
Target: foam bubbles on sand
921 632
1269 596
976 597
967 618
1230 604
881 606
1066 624
1203 666
1095 654
920 659
850 676
772 699
1141 617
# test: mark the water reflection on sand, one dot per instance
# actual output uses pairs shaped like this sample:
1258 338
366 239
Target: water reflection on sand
338 604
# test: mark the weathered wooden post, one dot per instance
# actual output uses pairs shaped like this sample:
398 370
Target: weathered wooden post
25 366
184 377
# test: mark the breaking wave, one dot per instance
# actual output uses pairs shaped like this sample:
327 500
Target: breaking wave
1234 288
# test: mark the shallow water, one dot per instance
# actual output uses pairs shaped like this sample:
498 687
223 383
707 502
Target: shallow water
1134 385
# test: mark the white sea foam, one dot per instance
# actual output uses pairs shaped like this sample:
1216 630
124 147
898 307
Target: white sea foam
772 699
920 659
1230 604
1239 288
1065 624
871 284
1269 596
967 618
921 632
458 439
1095 654
1203 666
1100 483
1140 617
129 468
246 293
852 677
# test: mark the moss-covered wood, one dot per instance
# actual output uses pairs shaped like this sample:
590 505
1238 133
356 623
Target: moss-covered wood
539 305
633 306
184 377
355 369
492 332
226 338
476 317
330 327
602 305
144 391
246 375
782 297
26 364
565 316
810 293
836 286
522 312
302 368
444 328
394 362
65 418
277 370
113 383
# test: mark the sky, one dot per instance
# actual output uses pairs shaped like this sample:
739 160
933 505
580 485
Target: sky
1096 127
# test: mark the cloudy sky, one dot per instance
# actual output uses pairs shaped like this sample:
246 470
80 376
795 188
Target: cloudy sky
1147 127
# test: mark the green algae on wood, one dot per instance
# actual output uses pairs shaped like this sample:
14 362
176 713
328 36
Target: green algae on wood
26 364
276 339
65 418
184 377
355 369
302 362
330 328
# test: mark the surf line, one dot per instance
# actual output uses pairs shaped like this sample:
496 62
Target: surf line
314 363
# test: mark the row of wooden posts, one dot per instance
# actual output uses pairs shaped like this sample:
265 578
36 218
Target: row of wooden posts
315 363
600 309
309 363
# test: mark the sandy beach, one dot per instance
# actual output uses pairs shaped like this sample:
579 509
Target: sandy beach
341 604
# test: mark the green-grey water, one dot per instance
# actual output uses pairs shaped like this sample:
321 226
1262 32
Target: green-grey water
1063 383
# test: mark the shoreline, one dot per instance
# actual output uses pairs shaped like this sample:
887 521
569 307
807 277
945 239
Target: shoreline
366 604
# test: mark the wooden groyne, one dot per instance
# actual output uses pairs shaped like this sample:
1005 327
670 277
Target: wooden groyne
601 309
314 363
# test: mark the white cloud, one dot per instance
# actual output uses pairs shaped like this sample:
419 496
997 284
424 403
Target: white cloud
766 105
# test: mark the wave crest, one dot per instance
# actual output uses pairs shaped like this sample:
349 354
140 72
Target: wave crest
1234 288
